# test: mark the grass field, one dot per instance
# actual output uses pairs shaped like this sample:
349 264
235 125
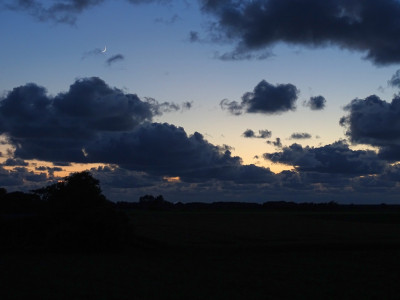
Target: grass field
225 255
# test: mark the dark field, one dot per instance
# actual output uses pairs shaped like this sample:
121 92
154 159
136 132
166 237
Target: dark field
225 255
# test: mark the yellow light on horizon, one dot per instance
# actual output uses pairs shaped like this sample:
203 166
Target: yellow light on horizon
172 179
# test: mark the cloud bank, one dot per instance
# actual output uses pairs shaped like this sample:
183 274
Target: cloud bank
368 26
58 128
94 123
375 122
333 158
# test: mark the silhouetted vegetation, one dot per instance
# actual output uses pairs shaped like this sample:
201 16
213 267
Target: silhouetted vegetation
73 215
149 202
70 215
229 250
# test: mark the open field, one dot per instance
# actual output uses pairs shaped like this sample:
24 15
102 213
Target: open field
225 255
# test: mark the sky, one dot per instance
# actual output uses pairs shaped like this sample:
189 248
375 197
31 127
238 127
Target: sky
207 100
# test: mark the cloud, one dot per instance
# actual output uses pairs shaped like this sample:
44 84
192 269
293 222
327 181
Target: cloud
58 128
233 107
21 179
158 108
368 26
265 98
277 143
333 158
119 178
265 133
395 80
262 134
50 170
187 105
115 58
316 103
166 150
238 54
93 52
300 136
61 11
194 36
94 123
15 162
249 133
374 122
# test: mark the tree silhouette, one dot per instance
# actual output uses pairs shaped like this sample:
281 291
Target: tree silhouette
151 202
81 217
77 192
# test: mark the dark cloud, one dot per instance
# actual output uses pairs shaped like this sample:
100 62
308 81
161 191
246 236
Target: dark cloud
390 152
233 107
243 55
395 80
187 105
15 162
158 108
265 133
115 58
50 170
21 179
300 136
94 123
58 128
277 143
61 11
374 122
249 133
333 158
61 164
118 178
166 150
194 36
367 26
262 134
265 98
316 103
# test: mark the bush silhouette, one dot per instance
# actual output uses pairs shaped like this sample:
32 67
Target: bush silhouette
80 216
151 202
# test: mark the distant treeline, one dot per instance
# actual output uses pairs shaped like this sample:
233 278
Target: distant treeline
149 202
19 204
74 215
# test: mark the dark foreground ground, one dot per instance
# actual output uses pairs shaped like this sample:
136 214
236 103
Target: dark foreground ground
225 255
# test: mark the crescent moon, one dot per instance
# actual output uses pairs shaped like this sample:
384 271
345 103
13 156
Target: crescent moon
105 49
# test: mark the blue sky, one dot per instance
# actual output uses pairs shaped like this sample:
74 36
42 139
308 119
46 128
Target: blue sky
158 60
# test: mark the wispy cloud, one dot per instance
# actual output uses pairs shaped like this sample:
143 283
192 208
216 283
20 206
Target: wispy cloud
115 58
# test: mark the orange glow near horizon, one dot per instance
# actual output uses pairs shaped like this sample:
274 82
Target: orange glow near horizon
172 179
65 170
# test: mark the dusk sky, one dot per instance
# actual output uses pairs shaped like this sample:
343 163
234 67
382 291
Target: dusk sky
218 100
